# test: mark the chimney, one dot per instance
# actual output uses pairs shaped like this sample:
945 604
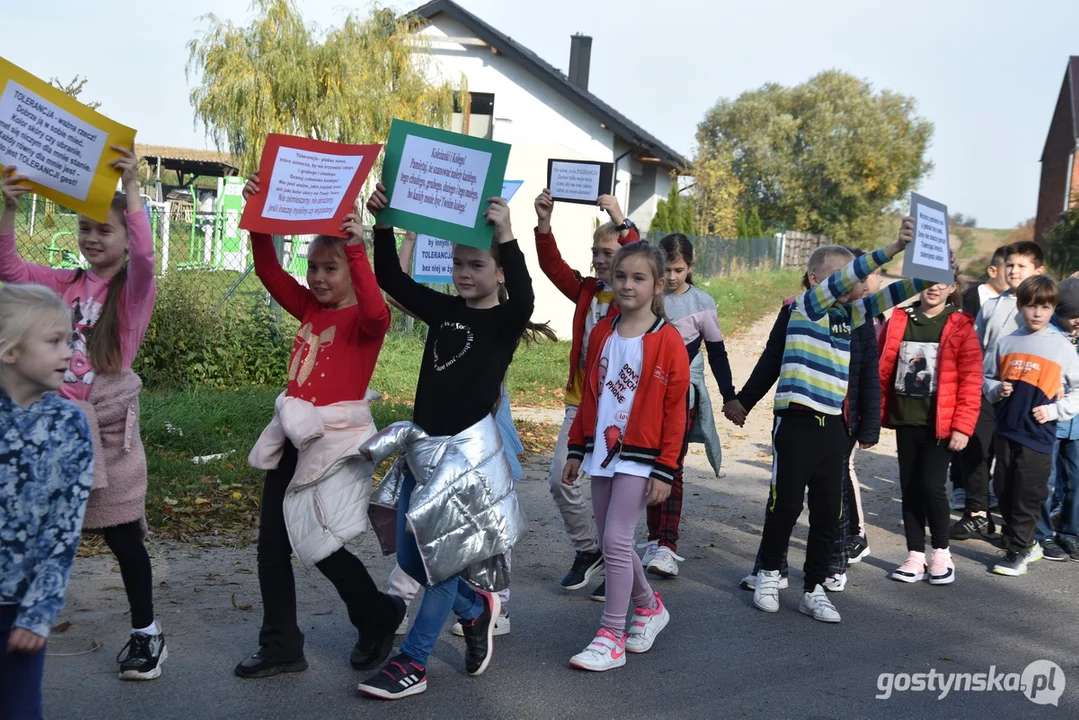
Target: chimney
580 57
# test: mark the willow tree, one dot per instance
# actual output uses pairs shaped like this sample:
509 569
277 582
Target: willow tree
281 75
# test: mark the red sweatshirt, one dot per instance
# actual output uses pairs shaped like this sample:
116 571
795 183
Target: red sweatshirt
334 354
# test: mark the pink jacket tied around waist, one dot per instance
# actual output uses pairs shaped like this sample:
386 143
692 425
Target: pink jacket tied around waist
326 501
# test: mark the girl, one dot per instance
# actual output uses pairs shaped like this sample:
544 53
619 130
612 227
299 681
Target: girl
692 312
592 299
930 376
45 478
628 436
111 304
343 321
470 342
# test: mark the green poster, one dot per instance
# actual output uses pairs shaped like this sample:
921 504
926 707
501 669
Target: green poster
438 182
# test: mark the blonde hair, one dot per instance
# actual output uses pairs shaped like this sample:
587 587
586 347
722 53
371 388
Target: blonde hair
657 260
823 256
24 307
335 245
606 231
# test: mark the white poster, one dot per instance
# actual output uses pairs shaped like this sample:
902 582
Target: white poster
47 144
929 256
575 181
440 181
432 260
307 185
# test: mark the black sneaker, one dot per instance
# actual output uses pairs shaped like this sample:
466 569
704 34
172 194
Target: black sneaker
371 652
585 565
260 666
1052 551
145 653
400 678
857 549
479 634
972 526
600 593
1070 546
1013 564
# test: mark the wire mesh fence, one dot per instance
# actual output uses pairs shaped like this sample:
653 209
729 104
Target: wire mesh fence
714 256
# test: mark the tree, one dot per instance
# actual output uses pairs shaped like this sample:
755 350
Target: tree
74 89
279 75
675 214
1062 241
827 156
959 220
716 191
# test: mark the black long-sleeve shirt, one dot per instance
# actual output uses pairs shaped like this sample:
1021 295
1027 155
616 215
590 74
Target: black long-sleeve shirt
468 350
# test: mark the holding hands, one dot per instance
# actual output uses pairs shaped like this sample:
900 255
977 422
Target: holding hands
734 412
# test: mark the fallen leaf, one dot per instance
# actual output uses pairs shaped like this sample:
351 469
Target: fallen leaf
201 501
239 607
61 627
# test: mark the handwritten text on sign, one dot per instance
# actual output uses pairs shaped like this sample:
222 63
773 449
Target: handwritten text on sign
576 181
931 242
47 144
440 181
308 185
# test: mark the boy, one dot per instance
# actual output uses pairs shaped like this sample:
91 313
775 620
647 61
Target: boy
1060 513
997 318
1023 373
981 293
810 438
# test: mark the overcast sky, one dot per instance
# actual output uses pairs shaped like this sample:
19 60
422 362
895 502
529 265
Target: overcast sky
985 72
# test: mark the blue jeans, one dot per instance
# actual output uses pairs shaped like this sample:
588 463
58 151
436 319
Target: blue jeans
20 675
1062 487
438 600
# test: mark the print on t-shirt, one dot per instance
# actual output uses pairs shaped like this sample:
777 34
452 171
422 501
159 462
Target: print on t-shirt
620 388
84 316
453 341
916 369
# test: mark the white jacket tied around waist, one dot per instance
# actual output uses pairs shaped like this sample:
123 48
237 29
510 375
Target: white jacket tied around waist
463 513
326 501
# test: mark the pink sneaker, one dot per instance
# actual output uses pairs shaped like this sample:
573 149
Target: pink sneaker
912 570
941 567
645 626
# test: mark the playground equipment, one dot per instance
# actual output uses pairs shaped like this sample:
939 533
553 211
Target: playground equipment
68 260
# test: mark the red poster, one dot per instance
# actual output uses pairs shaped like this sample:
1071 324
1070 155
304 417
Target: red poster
308 186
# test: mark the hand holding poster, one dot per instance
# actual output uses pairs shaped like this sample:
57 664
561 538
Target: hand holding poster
579 181
59 144
438 182
929 256
310 185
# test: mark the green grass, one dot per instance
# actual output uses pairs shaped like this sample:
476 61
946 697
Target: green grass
741 300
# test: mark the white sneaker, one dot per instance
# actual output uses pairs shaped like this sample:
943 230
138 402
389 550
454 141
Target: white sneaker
959 500
650 549
665 563
605 652
766 591
1036 553
402 629
817 605
502 627
749 582
645 626
835 582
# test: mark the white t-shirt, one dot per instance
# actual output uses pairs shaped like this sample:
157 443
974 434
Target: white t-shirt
619 375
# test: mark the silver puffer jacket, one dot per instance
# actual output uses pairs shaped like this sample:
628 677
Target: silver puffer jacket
464 513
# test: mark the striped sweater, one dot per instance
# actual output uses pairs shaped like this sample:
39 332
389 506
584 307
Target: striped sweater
816 355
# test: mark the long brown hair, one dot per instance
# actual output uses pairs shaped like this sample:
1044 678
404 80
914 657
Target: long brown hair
533 332
678 246
104 346
657 260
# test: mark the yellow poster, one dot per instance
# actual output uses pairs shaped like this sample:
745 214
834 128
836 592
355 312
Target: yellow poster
61 145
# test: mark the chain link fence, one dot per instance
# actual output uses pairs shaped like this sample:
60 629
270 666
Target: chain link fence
714 256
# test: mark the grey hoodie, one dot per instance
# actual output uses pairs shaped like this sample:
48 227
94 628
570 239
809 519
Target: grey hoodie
998 317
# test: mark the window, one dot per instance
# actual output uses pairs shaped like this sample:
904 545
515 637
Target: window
479 120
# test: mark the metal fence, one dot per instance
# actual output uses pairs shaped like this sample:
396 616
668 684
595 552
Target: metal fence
723 256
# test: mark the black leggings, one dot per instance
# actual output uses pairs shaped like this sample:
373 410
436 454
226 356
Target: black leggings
923 472
125 541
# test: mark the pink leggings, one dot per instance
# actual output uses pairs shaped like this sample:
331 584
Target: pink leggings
619 503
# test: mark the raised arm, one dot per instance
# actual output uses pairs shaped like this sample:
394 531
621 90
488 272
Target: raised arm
14 269
141 286
522 300
374 315
887 297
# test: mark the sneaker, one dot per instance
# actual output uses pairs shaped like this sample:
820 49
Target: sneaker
605 652
857 549
1035 553
259 666
650 549
478 634
941 567
402 629
145 653
371 652
600 593
1070 545
398 679
585 566
959 500
836 582
766 591
1013 564
665 563
1052 551
913 568
817 605
749 582
502 626
646 625
972 526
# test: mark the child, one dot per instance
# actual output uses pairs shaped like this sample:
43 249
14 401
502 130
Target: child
997 318
692 312
1060 513
470 342
592 302
628 436
929 375
111 303
810 437
1024 372
46 457
343 322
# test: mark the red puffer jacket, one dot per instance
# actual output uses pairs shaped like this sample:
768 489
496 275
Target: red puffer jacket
959 371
